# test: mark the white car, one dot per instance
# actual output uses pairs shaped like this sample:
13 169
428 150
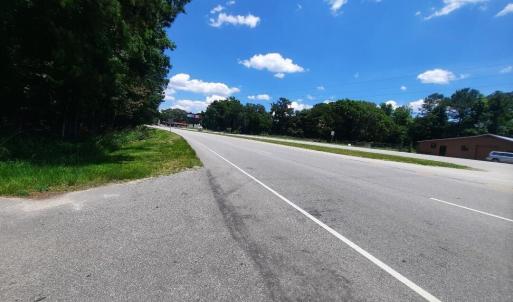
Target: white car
498 156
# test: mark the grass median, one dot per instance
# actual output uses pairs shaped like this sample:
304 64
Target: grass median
31 166
358 153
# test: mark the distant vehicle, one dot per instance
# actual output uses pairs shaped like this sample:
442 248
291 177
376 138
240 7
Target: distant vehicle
503 157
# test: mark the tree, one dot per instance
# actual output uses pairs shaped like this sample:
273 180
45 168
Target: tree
256 119
224 115
433 120
173 115
500 113
402 118
466 110
281 112
388 109
83 66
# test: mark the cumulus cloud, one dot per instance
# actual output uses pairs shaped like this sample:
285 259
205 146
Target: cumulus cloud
230 3
183 82
196 106
336 5
260 97
190 105
248 20
217 9
392 103
321 88
211 98
451 6
437 76
508 9
169 94
507 69
298 106
416 105
273 62
403 88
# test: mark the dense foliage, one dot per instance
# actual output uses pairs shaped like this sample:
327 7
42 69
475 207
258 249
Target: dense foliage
466 112
80 66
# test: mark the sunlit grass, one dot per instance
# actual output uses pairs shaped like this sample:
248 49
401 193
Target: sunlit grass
37 165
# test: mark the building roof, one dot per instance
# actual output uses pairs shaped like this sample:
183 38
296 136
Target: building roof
509 139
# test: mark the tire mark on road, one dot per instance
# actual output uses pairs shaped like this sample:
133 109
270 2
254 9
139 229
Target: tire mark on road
240 233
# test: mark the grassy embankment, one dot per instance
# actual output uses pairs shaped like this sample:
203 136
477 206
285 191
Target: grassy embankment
356 153
35 166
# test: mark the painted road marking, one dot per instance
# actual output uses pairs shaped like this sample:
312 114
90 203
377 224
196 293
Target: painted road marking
470 209
423 293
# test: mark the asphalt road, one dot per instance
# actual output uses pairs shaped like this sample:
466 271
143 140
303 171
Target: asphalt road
263 222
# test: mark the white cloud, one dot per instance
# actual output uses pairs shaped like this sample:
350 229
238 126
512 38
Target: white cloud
299 7
451 6
211 98
418 13
217 9
507 69
183 82
260 97
190 105
321 88
436 76
196 105
403 88
335 5
169 94
392 103
297 106
273 62
222 18
230 3
508 9
416 105
310 97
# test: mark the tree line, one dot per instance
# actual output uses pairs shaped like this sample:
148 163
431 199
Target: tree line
466 112
78 67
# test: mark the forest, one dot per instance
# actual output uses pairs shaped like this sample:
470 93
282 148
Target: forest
465 112
80 68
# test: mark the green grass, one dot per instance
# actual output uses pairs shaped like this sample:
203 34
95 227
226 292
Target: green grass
36 165
357 153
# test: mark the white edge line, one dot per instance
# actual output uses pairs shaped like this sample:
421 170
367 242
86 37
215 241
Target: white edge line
470 209
423 293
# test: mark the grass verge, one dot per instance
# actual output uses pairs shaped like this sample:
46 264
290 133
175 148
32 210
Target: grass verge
357 153
33 165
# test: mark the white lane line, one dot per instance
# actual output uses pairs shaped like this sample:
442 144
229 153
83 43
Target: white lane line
423 293
470 209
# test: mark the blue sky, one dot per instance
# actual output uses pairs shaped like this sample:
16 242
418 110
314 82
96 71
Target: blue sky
313 51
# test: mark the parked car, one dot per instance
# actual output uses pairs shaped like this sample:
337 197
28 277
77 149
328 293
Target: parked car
498 156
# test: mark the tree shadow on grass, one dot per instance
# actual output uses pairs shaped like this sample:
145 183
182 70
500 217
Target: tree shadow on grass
43 151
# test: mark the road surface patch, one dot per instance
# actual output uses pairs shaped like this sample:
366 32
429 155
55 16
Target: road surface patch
420 291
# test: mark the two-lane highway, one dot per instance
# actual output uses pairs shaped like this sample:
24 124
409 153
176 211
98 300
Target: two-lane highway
450 238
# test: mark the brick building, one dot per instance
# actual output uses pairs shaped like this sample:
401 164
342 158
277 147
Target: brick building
473 147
